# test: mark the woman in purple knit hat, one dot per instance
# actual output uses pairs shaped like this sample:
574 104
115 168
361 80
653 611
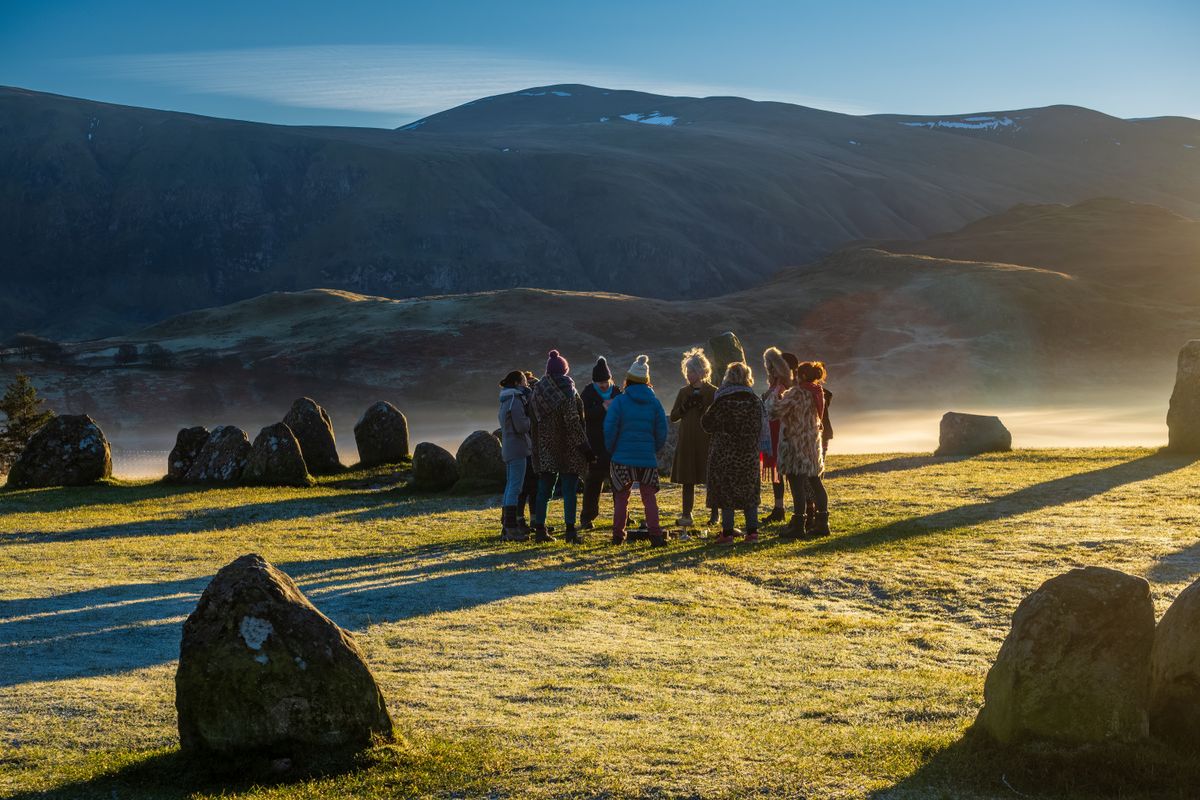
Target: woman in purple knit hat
560 444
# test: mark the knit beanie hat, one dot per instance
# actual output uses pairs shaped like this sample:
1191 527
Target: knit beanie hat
639 371
556 364
601 372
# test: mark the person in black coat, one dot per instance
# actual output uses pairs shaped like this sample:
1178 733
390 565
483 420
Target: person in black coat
596 397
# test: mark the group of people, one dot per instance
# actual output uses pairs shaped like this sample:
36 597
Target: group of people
730 439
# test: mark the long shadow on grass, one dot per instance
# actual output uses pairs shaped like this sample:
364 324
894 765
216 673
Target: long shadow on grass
372 505
1060 491
974 766
129 626
896 464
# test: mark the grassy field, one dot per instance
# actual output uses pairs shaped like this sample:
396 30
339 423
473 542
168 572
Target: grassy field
845 668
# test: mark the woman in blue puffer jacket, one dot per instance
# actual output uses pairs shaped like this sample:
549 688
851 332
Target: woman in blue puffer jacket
635 429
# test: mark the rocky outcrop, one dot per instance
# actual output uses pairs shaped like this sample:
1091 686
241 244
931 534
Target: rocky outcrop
381 435
972 434
480 463
276 459
188 444
1076 665
313 428
725 349
1183 416
433 468
223 458
261 671
1175 672
67 451
666 456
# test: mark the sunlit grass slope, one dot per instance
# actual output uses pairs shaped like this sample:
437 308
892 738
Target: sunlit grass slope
850 667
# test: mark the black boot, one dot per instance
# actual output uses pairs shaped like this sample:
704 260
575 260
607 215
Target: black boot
713 517
541 535
511 531
795 529
777 515
820 525
572 536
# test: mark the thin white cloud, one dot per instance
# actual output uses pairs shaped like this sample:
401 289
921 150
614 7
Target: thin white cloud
405 80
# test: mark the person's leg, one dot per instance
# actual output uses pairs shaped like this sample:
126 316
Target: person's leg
592 485
816 488
796 527
751 523
650 503
727 520
514 476
689 504
545 489
620 514
778 514
570 492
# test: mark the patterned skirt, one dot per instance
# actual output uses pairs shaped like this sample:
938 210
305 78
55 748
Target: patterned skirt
624 476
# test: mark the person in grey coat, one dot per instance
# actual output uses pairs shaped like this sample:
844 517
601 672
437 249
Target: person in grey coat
515 448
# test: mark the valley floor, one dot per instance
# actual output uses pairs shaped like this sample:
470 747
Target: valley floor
845 668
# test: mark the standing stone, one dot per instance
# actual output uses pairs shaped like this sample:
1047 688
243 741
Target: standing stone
188 444
314 430
223 458
67 451
726 349
972 434
1076 664
433 468
480 463
1175 672
276 460
666 456
261 671
381 435
1183 416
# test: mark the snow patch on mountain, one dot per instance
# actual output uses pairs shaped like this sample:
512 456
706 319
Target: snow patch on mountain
979 123
653 118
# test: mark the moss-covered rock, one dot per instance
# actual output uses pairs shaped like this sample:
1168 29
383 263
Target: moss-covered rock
313 428
381 435
67 451
188 444
276 460
263 671
433 468
1075 666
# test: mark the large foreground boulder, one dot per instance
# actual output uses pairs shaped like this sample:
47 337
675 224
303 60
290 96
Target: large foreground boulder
276 460
261 671
726 349
67 451
188 444
1183 416
1175 672
971 434
433 468
223 458
314 430
381 435
1076 664
480 463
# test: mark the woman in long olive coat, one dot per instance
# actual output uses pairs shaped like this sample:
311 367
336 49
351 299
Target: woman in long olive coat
691 454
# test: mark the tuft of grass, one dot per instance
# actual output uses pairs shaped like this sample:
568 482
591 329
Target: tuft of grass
850 667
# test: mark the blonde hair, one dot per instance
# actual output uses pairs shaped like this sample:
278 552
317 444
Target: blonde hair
738 374
775 364
695 360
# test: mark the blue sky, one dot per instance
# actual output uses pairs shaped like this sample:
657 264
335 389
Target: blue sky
364 63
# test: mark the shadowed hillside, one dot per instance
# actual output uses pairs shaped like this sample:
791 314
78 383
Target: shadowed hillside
897 329
114 217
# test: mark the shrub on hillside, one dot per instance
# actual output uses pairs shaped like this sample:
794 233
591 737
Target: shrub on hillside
23 416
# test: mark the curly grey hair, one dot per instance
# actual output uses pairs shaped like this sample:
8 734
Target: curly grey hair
694 360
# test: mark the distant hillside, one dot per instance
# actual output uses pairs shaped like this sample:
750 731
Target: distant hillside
896 328
114 217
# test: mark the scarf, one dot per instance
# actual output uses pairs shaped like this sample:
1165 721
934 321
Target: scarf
549 393
764 432
603 394
818 397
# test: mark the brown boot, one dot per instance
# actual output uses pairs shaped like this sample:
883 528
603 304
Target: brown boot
795 529
541 535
